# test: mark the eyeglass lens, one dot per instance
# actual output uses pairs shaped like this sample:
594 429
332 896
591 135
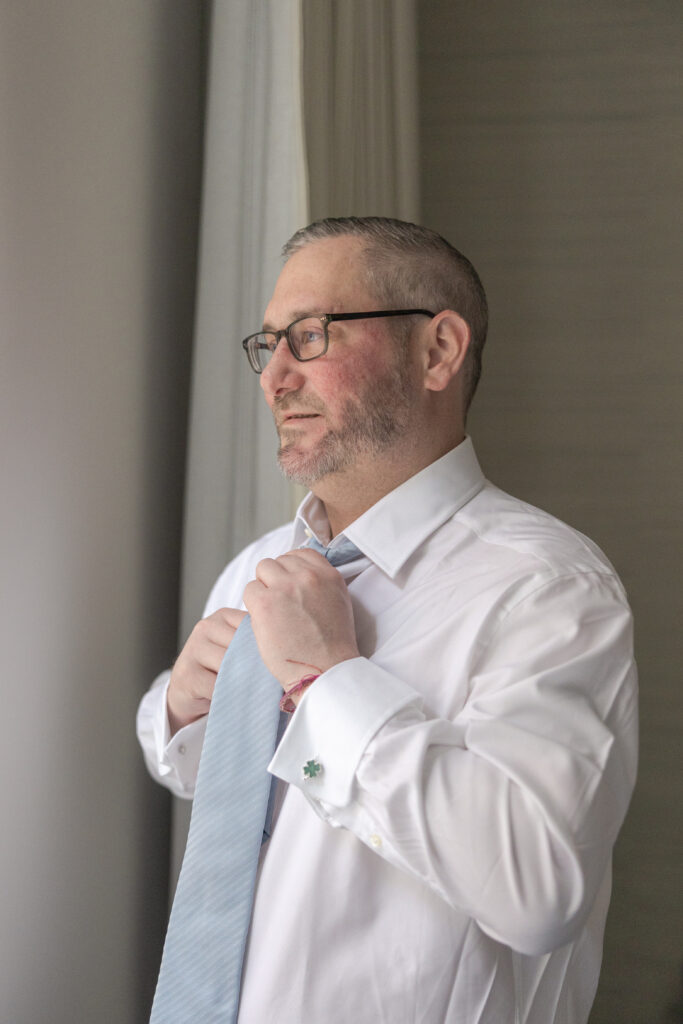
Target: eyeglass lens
306 337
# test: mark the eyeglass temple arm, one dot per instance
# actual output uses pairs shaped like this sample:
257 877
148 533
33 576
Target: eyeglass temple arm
329 317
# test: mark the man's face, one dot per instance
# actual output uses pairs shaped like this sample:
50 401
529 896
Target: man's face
353 403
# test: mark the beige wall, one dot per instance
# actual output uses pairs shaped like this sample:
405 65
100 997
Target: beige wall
551 154
100 118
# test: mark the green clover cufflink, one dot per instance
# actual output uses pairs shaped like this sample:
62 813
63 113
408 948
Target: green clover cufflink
312 769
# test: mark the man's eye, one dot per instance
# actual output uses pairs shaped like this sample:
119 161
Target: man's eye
311 337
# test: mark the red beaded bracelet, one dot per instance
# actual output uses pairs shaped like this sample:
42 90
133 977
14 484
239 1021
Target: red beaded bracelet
286 703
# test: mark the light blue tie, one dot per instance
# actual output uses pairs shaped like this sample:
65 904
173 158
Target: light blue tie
201 968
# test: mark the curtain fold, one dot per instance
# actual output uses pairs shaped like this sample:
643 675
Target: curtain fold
360 107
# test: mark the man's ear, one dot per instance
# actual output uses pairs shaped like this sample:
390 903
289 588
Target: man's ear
446 343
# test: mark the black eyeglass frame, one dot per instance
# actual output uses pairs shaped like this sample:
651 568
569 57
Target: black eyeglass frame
325 319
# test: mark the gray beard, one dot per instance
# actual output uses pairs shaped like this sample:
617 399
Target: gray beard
371 423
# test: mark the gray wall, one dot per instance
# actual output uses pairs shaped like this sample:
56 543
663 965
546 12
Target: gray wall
100 146
551 154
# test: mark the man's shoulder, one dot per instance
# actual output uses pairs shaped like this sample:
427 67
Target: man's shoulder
507 524
228 588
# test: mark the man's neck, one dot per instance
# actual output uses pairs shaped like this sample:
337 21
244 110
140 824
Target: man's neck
348 494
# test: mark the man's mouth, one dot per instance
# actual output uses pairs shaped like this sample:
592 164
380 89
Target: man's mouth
289 413
288 417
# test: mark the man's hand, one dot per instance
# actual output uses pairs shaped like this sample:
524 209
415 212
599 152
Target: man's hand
194 674
301 615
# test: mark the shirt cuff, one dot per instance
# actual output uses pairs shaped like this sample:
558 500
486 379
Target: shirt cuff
182 753
173 761
334 722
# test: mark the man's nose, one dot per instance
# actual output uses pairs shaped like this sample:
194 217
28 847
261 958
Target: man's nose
282 373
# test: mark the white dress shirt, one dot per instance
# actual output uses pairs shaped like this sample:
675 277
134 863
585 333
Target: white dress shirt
451 862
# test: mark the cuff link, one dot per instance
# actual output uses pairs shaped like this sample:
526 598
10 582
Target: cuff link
311 770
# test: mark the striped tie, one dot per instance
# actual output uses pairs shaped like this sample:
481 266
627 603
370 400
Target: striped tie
201 968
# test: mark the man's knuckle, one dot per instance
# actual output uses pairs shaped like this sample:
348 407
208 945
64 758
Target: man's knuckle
309 579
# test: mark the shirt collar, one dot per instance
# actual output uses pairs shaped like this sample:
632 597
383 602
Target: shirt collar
392 530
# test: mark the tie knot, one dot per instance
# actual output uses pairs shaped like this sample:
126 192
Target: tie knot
342 552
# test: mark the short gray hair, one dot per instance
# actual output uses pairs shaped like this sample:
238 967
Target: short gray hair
408 266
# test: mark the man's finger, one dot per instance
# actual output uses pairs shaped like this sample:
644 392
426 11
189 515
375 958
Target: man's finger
304 558
211 654
219 628
269 570
233 616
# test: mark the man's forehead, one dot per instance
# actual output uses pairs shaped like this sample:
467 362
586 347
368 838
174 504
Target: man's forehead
325 276
296 314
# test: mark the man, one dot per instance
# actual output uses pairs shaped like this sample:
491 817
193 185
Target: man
466 696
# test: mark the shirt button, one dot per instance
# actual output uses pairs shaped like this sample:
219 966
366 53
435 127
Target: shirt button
375 840
182 748
309 533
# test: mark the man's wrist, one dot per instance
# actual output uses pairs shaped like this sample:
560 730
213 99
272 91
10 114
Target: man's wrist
174 723
295 690
294 693
177 718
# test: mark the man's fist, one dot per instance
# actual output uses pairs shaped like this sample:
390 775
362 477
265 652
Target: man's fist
194 674
301 615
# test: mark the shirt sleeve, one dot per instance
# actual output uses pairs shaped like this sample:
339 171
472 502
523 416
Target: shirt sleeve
172 761
510 809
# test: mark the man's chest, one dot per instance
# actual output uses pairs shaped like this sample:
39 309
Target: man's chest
432 624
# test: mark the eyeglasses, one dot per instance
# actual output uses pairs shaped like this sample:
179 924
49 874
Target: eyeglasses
308 337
